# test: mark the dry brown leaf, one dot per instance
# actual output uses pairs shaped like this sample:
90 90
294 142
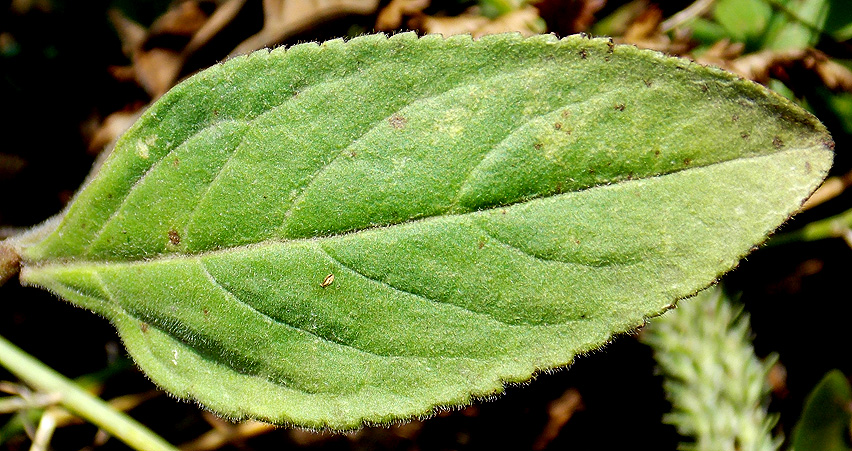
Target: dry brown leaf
525 21
451 25
111 128
559 412
122 73
225 433
646 32
157 69
777 379
122 403
222 16
756 66
836 77
24 6
409 430
585 14
831 188
285 18
762 66
570 16
721 53
390 17
182 19
131 34
646 26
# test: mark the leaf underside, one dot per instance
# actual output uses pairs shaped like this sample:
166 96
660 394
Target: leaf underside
488 209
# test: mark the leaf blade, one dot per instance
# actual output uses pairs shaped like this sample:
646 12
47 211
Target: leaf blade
457 268
156 134
825 418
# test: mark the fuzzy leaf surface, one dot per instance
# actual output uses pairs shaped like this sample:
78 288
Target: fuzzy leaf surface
488 209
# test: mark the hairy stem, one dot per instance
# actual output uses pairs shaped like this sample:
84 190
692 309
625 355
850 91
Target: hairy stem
87 406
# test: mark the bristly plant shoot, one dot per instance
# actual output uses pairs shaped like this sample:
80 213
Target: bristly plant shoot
361 232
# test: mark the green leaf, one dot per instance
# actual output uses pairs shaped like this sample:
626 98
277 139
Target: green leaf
744 20
798 24
841 105
825 422
706 31
838 20
488 209
495 8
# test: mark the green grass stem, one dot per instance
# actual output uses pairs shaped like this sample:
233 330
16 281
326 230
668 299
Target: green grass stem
87 406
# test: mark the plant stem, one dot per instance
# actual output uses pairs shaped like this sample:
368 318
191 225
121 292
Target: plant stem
87 406
46 427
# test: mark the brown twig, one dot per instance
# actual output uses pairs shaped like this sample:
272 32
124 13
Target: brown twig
10 262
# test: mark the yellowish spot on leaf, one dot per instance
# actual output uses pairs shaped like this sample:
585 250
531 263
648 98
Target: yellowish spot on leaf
142 146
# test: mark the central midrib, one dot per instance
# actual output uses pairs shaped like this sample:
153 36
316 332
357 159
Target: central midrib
72 261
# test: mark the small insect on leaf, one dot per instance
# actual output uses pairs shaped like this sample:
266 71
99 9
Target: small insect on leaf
329 279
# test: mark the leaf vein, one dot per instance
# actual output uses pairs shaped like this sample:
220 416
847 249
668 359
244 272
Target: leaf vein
191 216
118 309
523 251
230 294
383 283
511 132
550 260
200 130
422 219
379 122
141 179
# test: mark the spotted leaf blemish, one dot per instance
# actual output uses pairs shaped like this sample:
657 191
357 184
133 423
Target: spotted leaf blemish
143 145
